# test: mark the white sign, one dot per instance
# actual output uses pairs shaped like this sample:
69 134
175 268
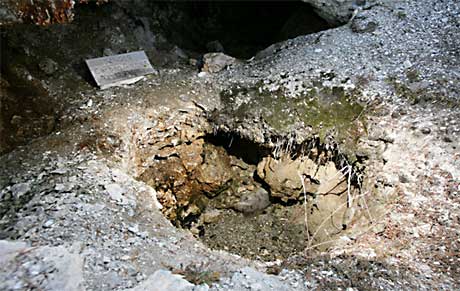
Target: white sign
119 69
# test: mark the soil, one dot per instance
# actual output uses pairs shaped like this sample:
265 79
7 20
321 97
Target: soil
210 175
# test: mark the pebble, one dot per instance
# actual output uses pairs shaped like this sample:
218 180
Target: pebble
48 223
115 191
426 130
20 189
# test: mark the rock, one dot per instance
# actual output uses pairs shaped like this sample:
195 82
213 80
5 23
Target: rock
115 191
45 268
10 249
253 201
165 281
426 130
215 171
69 268
48 223
333 11
48 66
107 52
404 178
216 62
250 279
284 177
363 25
20 189
211 215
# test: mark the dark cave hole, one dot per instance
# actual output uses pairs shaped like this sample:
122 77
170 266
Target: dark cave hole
239 28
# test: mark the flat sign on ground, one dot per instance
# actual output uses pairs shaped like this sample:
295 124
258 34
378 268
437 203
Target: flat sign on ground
119 69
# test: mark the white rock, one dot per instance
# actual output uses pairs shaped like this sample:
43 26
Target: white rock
9 249
165 281
115 191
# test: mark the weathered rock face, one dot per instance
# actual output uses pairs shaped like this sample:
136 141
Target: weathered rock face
334 11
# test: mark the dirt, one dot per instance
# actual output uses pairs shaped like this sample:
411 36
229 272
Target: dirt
235 174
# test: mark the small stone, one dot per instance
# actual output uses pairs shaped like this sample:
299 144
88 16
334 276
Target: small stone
48 223
403 178
134 229
447 139
426 130
20 189
115 191
107 52
363 25
216 62
164 280
211 216
253 201
184 98
59 171
60 187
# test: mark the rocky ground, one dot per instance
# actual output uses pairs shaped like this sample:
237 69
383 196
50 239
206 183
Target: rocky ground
80 211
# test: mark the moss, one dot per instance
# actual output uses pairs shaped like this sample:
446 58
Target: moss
328 111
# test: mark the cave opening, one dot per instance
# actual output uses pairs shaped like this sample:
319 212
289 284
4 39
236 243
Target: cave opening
238 28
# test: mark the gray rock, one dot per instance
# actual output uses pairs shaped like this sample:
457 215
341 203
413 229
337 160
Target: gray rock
9 249
251 279
211 215
115 191
165 281
20 189
363 25
253 201
69 268
48 223
333 11
216 62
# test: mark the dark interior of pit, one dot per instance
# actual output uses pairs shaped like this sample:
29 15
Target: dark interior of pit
238 28
229 206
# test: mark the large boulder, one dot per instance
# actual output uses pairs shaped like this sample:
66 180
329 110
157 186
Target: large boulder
333 11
